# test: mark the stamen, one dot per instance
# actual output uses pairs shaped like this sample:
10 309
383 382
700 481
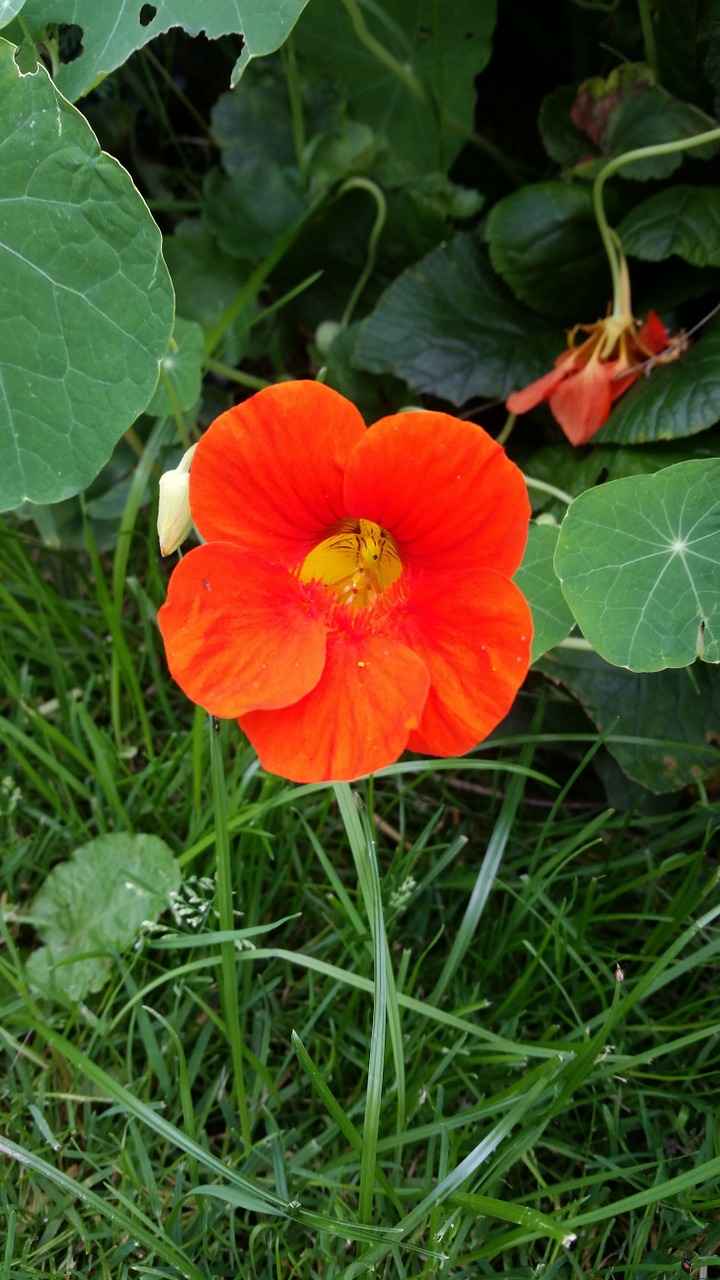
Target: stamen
360 561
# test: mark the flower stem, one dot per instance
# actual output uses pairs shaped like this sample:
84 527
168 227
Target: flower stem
363 852
648 32
228 968
365 184
608 236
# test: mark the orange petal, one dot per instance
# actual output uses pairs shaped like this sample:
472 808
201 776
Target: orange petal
238 632
536 392
356 719
473 632
444 489
652 336
268 474
582 404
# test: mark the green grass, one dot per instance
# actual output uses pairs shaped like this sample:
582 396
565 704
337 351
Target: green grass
432 1073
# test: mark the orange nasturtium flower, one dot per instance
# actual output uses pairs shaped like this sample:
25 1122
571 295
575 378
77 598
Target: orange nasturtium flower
353 595
587 379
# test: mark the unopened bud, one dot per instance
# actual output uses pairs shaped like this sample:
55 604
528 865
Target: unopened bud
174 518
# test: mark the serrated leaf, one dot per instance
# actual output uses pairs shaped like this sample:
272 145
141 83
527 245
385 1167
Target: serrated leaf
683 220
639 563
544 242
111 32
438 48
88 303
673 401
96 903
539 583
449 327
180 371
664 724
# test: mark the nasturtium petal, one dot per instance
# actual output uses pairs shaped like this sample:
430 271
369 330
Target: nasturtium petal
356 719
268 474
639 563
87 305
238 632
444 488
473 631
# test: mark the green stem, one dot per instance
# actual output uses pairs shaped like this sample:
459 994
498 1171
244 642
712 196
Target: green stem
228 967
543 487
382 54
648 32
365 184
608 236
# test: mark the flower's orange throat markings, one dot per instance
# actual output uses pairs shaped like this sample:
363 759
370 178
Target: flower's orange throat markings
360 561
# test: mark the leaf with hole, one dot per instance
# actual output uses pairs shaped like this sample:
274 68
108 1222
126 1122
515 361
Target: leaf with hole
106 34
95 904
639 563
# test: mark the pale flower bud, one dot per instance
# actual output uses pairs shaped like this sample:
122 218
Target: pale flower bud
174 518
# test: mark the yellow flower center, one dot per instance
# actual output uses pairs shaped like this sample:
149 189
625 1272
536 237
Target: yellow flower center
360 561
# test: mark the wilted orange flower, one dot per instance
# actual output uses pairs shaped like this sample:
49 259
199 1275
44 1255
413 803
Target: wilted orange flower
587 379
353 594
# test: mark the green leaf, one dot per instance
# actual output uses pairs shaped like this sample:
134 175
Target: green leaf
662 724
96 903
254 208
536 578
544 242
8 10
180 371
653 117
111 32
206 280
639 562
676 400
409 72
88 303
683 220
448 326
563 141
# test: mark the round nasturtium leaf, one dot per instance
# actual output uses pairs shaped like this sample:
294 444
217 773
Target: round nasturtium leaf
536 578
87 300
639 563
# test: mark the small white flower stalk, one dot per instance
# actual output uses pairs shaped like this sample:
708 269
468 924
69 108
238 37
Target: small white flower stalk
174 518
